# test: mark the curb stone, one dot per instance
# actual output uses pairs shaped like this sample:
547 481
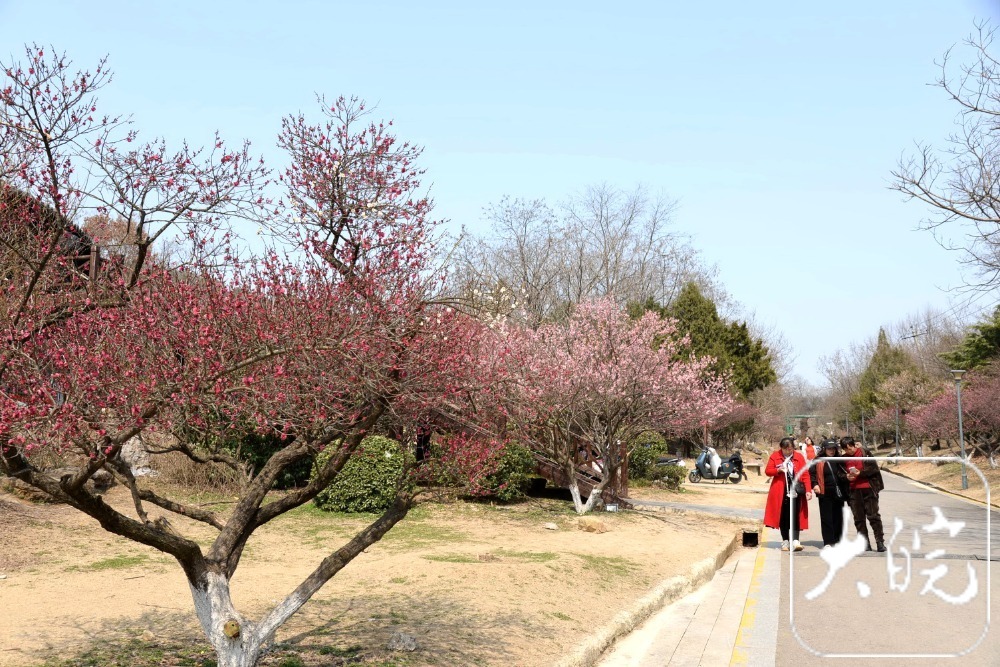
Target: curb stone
592 649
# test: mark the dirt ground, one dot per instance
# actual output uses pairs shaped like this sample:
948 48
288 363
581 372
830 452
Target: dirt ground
475 584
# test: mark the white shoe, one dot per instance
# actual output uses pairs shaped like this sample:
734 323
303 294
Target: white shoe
797 545
784 545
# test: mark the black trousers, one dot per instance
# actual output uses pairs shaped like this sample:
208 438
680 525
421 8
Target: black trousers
784 524
831 518
864 504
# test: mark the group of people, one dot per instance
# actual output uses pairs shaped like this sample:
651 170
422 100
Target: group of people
855 482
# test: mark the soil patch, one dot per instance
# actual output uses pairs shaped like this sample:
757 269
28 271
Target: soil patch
475 584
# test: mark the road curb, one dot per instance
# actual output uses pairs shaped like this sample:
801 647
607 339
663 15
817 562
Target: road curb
592 649
943 490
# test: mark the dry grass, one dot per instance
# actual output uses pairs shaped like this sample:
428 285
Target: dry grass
175 468
476 584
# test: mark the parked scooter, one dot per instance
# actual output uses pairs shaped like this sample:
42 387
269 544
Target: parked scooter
710 466
670 461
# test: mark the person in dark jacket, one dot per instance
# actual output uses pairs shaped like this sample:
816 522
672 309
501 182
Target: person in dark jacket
831 492
865 479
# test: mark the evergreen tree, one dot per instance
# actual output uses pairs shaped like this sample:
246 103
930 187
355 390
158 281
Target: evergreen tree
887 361
980 346
745 359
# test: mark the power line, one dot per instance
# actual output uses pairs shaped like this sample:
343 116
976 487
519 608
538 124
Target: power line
953 310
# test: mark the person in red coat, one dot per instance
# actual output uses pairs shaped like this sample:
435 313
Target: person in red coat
809 449
782 467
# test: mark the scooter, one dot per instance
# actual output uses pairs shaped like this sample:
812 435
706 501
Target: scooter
710 466
670 461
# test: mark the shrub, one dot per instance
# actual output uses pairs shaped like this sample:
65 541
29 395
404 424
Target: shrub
642 460
673 476
177 468
513 472
368 481
257 449
243 441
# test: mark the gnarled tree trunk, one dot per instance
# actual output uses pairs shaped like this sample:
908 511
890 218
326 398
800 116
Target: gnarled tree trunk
236 640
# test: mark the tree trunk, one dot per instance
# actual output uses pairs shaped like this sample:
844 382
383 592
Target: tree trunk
579 505
234 638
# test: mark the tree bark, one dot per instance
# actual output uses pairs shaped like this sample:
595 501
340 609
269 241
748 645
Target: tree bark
220 621
581 506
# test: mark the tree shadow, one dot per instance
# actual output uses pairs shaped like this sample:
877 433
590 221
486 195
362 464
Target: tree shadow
447 632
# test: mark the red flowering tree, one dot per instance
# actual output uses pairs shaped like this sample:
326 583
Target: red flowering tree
601 379
317 349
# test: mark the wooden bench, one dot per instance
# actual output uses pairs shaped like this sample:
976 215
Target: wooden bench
753 466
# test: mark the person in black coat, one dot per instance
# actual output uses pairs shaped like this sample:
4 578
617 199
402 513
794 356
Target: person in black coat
830 491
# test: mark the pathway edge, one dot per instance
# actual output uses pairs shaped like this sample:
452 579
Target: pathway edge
593 648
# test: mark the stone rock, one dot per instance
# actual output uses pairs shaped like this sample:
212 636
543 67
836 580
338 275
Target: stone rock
400 641
135 455
25 491
591 524
550 526
102 480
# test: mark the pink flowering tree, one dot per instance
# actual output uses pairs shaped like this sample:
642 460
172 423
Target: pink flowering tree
317 347
938 419
601 379
737 423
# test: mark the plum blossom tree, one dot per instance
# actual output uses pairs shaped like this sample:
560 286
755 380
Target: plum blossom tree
737 423
980 413
600 380
60 161
317 348
903 392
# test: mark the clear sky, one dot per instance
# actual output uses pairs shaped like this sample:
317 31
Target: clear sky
774 124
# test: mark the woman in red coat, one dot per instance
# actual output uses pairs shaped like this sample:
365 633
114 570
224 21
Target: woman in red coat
782 467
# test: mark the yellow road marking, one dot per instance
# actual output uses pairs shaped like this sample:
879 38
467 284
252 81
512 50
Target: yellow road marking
740 654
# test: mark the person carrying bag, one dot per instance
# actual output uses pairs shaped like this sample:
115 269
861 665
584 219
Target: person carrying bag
831 494
783 499
866 482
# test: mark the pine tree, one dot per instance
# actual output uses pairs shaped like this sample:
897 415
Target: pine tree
887 361
980 346
745 359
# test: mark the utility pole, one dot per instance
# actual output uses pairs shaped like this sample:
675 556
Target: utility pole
957 374
897 429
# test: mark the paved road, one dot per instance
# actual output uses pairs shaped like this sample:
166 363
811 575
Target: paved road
864 614
892 616
730 512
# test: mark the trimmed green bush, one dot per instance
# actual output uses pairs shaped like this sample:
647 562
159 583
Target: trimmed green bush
369 479
513 473
642 460
673 476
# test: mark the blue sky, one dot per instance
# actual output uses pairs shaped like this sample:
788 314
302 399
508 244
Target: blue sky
775 125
